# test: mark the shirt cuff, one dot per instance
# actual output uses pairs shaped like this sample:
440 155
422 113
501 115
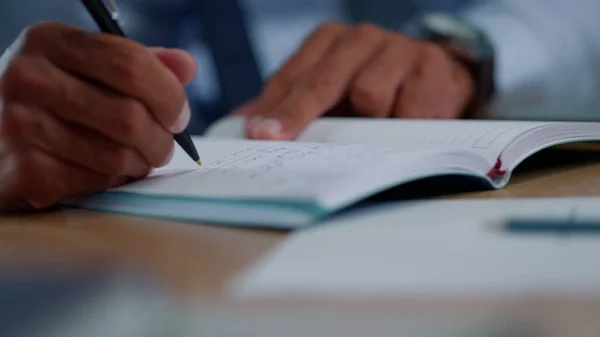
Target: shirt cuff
522 61
539 55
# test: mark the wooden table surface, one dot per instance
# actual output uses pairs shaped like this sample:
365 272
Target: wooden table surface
197 261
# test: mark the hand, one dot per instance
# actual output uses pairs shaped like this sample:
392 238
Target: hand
360 71
82 112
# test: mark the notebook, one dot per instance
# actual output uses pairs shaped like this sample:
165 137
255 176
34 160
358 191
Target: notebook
440 249
334 164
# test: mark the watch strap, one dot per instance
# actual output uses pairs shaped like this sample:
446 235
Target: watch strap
476 56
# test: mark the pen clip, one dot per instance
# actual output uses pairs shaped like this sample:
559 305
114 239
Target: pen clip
114 11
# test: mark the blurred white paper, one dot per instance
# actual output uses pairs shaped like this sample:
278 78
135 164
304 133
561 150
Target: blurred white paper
433 249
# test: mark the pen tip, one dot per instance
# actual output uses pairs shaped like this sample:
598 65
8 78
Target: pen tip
199 162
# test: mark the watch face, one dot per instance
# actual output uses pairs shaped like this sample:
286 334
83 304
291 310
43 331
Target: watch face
458 34
448 26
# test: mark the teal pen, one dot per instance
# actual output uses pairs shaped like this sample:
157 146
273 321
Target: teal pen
550 226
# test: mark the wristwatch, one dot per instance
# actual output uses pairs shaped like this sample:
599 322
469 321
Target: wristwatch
468 45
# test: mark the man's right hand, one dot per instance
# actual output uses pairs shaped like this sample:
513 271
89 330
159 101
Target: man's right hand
82 112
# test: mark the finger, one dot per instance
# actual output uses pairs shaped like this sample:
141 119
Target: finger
122 119
246 109
423 94
458 95
41 180
310 52
31 127
342 109
323 87
119 63
180 62
374 89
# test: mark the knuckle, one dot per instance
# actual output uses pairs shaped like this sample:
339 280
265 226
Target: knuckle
39 31
402 44
368 97
283 79
17 122
18 78
130 118
435 53
367 30
323 84
130 63
65 94
330 27
44 36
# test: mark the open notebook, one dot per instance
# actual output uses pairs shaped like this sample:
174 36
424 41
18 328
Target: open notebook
334 163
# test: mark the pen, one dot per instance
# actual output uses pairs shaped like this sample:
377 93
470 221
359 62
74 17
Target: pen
107 21
541 226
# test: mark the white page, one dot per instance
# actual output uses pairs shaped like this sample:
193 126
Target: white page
486 138
262 170
432 249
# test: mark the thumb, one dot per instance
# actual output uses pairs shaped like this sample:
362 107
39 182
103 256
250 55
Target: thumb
181 63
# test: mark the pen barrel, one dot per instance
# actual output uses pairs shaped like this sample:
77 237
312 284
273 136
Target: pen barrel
553 226
103 17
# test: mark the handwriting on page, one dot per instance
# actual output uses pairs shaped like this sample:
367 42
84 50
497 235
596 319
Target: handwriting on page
280 169
294 167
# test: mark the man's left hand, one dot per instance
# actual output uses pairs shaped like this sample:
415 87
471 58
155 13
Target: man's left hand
361 71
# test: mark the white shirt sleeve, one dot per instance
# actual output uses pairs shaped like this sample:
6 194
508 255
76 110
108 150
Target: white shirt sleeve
544 48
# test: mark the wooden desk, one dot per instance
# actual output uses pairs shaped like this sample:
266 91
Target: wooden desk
197 261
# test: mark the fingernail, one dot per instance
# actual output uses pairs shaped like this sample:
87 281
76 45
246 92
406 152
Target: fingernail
268 129
183 120
252 125
169 157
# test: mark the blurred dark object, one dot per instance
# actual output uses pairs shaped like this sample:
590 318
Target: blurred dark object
36 304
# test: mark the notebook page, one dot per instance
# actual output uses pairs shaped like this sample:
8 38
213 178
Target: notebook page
433 248
486 138
263 170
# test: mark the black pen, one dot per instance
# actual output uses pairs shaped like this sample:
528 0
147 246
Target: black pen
108 24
